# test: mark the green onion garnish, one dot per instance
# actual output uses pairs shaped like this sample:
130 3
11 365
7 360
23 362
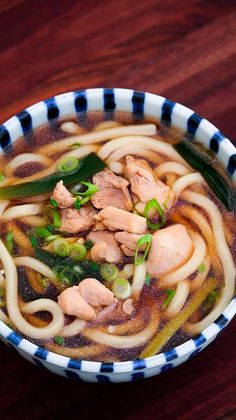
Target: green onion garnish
2 176
146 239
153 204
88 244
75 146
121 289
109 272
68 164
9 241
91 189
77 204
51 238
212 298
33 240
65 276
53 202
61 247
42 232
201 268
169 296
148 279
59 340
55 216
2 292
78 252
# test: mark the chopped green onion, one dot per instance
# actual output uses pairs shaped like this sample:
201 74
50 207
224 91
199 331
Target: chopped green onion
68 164
33 240
84 200
77 204
153 204
59 340
89 166
42 232
169 296
65 276
55 216
148 279
53 202
78 252
2 176
146 239
51 238
88 244
201 268
61 247
44 282
212 298
109 272
91 189
121 289
75 146
9 241
2 292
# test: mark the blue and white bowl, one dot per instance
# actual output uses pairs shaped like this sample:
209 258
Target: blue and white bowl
142 105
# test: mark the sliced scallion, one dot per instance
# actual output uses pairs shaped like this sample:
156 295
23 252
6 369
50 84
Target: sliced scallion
148 279
78 252
144 240
61 247
121 289
201 268
77 204
9 241
153 204
55 217
169 296
59 340
53 202
68 164
109 272
2 176
42 232
88 244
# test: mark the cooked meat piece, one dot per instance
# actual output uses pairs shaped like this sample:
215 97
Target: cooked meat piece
128 306
62 196
117 219
74 221
72 303
128 241
112 189
95 293
170 248
144 183
105 247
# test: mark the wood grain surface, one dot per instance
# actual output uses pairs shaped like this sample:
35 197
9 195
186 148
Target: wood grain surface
182 49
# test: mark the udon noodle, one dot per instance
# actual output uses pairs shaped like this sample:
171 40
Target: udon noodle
131 258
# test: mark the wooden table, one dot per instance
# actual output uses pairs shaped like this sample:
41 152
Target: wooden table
182 49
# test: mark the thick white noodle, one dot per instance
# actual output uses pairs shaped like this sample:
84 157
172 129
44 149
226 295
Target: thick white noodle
26 158
171 168
73 329
36 221
3 206
139 141
21 211
190 266
223 253
185 181
39 305
104 125
120 341
116 167
71 127
36 265
100 136
201 277
138 279
179 299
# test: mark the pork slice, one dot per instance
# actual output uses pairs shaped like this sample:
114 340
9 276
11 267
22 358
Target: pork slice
95 293
105 247
171 247
117 219
112 189
74 221
62 196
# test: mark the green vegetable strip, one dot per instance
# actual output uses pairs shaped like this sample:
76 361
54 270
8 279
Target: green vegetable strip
153 204
9 241
89 166
177 321
146 239
202 163
169 296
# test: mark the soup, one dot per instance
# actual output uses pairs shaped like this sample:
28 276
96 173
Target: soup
117 238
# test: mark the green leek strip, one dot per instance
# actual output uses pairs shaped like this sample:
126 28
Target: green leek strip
146 239
153 204
169 296
203 164
89 166
176 322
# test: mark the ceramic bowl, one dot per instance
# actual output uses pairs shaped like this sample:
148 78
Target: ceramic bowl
142 105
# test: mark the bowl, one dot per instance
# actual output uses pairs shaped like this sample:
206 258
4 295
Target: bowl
141 105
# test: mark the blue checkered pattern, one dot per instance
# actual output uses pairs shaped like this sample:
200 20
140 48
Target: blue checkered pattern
141 105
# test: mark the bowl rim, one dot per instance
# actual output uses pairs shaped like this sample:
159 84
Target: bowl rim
187 348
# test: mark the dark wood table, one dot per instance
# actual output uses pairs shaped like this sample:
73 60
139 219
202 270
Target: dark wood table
182 49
